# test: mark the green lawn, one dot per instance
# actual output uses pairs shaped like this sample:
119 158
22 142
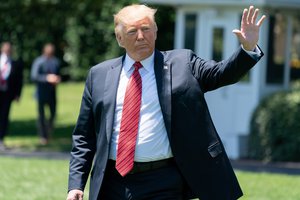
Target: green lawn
266 186
39 179
33 179
22 131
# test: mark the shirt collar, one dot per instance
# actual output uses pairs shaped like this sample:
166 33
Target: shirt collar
147 63
4 58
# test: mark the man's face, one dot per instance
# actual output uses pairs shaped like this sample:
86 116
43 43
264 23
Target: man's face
49 50
138 38
6 49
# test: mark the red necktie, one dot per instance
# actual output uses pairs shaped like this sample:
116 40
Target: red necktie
129 122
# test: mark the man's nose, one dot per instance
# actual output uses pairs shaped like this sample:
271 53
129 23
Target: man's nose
140 35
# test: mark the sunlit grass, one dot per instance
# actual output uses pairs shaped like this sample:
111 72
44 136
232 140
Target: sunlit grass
34 179
23 133
266 186
41 179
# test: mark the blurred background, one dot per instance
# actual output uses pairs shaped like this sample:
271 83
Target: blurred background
83 34
257 118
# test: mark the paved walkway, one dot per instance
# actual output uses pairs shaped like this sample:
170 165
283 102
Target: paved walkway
291 168
36 154
243 165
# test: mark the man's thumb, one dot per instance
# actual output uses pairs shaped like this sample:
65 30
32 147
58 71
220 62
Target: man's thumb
238 33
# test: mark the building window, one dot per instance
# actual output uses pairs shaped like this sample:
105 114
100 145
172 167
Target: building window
246 77
276 49
295 50
190 31
218 43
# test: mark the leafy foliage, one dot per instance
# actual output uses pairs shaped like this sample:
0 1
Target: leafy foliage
275 127
82 31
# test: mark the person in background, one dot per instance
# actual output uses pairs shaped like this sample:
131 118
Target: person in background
11 80
144 125
45 73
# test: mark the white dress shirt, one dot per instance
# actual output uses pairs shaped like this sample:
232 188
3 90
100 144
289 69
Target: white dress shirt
4 60
152 140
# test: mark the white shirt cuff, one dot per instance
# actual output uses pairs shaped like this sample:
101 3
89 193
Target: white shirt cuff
255 54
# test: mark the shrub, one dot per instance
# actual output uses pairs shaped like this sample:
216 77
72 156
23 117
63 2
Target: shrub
275 127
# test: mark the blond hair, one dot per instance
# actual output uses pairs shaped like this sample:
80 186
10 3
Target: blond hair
131 13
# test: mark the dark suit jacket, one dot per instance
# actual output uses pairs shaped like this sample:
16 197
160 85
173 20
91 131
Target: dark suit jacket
182 79
15 80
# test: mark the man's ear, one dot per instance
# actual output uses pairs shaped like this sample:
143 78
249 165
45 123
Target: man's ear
119 39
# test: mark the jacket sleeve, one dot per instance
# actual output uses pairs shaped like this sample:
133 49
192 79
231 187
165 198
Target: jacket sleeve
212 75
19 79
36 76
84 141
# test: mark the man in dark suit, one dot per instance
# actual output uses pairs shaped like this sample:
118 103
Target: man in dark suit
144 122
11 78
45 73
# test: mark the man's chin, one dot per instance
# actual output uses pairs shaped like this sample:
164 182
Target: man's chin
145 54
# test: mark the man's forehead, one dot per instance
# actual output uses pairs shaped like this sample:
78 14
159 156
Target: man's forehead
138 22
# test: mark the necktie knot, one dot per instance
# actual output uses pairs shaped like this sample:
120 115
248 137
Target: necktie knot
137 65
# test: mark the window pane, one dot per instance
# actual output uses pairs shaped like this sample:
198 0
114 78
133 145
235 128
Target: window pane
295 50
190 31
218 43
246 78
276 49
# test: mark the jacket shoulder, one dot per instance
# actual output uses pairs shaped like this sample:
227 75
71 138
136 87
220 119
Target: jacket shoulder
107 64
177 53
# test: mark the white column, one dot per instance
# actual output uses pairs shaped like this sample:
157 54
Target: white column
179 29
289 35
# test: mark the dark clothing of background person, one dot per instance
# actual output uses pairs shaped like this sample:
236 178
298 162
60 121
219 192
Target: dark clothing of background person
45 92
11 91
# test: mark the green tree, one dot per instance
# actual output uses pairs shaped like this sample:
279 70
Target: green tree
82 31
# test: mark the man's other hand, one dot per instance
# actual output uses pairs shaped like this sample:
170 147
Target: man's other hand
75 195
53 79
248 35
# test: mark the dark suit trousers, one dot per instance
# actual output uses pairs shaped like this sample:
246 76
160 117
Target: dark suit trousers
44 125
160 184
5 103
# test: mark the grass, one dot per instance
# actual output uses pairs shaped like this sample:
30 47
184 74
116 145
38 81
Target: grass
33 179
22 130
40 179
265 186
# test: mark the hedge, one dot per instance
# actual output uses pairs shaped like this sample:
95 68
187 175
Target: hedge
275 127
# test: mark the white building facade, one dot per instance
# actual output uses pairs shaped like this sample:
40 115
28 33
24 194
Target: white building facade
205 26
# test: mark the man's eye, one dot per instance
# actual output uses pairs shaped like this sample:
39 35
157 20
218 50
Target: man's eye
145 29
131 32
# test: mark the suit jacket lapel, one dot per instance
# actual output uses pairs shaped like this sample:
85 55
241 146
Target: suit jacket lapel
163 80
110 94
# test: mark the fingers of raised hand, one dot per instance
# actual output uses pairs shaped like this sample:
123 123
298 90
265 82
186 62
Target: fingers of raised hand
261 20
254 17
244 16
250 16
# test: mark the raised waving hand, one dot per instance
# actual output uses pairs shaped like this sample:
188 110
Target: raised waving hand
248 34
